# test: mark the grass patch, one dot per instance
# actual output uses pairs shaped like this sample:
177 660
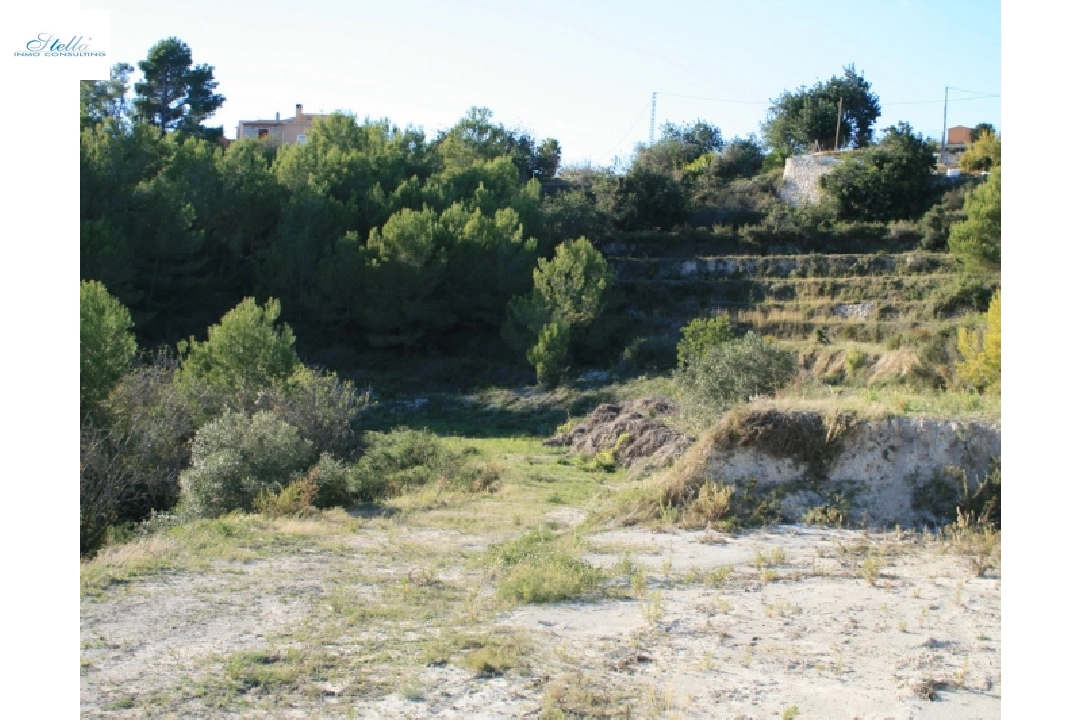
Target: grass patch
541 566
270 670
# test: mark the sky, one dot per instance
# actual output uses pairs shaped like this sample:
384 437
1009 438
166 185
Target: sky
582 72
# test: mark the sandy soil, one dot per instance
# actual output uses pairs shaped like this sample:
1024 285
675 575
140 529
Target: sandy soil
806 630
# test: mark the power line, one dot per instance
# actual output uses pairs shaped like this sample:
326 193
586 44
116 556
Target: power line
697 97
936 102
975 92
900 102
629 129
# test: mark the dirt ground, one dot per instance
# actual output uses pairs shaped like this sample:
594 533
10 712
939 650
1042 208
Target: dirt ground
791 621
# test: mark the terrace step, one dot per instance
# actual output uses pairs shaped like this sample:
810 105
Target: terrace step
782 266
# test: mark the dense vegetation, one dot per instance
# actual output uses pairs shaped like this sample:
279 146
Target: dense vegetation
372 240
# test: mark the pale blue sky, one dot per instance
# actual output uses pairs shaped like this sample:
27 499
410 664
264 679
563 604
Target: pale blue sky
581 72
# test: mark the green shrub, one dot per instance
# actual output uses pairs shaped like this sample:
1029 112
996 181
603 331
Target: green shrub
981 352
549 355
736 371
572 290
977 240
699 336
650 353
243 354
333 481
400 460
322 407
106 345
855 360
149 412
964 294
542 567
237 456
294 500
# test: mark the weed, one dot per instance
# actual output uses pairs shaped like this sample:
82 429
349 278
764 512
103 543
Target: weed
263 669
769 575
781 609
124 702
719 575
901 626
667 513
724 606
790 712
638 583
712 504
777 556
654 610
666 566
980 546
579 696
871 568
493 660
962 673
293 500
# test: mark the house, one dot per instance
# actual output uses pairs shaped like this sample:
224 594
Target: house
958 137
289 131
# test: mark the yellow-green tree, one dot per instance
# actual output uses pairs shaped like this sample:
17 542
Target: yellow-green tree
981 364
985 153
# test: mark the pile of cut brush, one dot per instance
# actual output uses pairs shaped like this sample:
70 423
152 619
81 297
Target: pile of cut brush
631 431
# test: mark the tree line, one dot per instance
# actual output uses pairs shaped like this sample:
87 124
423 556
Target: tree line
372 235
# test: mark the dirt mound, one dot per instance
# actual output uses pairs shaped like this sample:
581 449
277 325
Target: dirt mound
631 431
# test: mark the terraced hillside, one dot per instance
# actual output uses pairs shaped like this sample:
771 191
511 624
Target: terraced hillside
866 297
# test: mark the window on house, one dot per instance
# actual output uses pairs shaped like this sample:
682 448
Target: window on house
263 132
301 139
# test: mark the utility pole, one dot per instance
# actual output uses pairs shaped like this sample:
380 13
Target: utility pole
838 132
653 115
943 144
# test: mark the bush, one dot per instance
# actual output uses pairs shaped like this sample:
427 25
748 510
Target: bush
981 352
891 181
572 290
106 345
243 354
548 356
106 481
571 214
965 294
541 567
322 407
935 225
332 481
650 353
400 460
147 407
236 456
644 199
977 240
294 499
736 371
701 335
